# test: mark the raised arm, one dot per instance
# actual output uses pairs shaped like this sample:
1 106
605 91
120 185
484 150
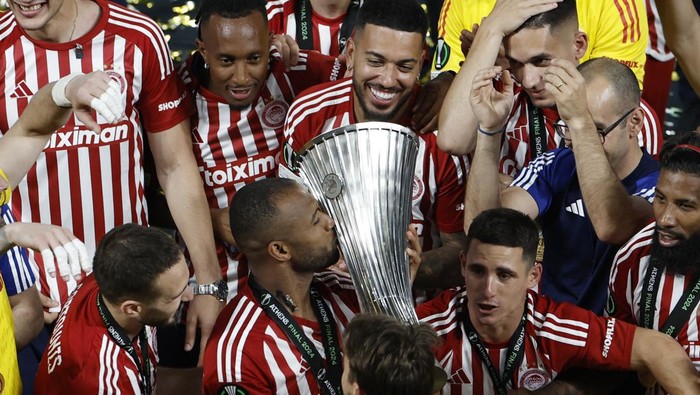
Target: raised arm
681 24
616 216
457 124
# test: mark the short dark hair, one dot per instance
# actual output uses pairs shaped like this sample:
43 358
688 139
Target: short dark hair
129 259
686 160
508 228
388 357
620 77
564 12
253 211
231 9
401 15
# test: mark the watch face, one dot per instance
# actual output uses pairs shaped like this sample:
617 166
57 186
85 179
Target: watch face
221 290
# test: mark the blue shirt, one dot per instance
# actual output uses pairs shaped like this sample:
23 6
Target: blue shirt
576 265
15 269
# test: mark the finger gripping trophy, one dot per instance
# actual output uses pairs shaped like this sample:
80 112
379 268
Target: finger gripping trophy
362 175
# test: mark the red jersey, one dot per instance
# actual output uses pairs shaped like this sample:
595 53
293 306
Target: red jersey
625 293
82 357
558 336
235 148
515 150
85 182
656 48
439 180
326 31
251 351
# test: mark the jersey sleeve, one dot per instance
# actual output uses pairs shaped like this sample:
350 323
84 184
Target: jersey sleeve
618 305
449 202
538 179
298 130
164 102
575 337
616 29
15 268
275 16
315 68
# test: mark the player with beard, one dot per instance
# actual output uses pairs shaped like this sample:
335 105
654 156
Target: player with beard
655 279
281 333
104 336
385 55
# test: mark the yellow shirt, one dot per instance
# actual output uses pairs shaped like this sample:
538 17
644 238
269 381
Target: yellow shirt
616 29
10 382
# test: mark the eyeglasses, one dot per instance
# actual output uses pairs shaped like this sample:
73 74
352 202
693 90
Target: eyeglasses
561 128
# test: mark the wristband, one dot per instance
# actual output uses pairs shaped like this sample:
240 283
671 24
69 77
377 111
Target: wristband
5 194
489 132
58 93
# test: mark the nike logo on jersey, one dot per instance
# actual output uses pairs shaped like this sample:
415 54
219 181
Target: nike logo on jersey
576 208
22 91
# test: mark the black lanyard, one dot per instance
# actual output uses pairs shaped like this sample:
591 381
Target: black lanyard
328 378
120 337
514 354
305 33
537 130
681 312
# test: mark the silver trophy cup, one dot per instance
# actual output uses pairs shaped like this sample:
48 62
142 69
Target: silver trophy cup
362 175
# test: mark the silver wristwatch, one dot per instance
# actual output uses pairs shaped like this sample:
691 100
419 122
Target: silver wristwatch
218 289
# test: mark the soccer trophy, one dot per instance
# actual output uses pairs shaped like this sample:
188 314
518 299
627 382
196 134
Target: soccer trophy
362 175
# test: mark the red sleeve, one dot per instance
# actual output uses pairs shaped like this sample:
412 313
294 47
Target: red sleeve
622 282
575 337
299 128
451 181
315 68
164 102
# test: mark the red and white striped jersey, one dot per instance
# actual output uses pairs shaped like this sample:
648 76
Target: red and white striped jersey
625 293
82 357
515 150
439 180
656 48
86 182
326 32
558 337
249 350
235 148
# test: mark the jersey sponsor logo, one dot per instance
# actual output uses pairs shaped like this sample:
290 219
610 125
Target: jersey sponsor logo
630 63
22 91
274 113
232 389
84 137
576 208
171 104
241 170
534 379
335 71
418 188
442 54
609 332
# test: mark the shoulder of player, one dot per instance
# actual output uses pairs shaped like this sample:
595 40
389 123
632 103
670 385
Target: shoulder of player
8 28
443 312
137 27
637 247
275 7
307 101
562 323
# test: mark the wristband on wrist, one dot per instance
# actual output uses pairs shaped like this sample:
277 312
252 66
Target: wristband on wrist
58 93
490 132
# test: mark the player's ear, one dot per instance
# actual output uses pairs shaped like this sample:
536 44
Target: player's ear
534 275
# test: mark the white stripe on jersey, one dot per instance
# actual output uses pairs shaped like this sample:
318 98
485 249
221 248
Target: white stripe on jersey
528 175
313 103
145 25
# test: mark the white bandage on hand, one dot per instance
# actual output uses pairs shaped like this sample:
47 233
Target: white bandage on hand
70 258
58 92
109 105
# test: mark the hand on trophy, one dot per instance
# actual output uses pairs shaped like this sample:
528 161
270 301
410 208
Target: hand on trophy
414 251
